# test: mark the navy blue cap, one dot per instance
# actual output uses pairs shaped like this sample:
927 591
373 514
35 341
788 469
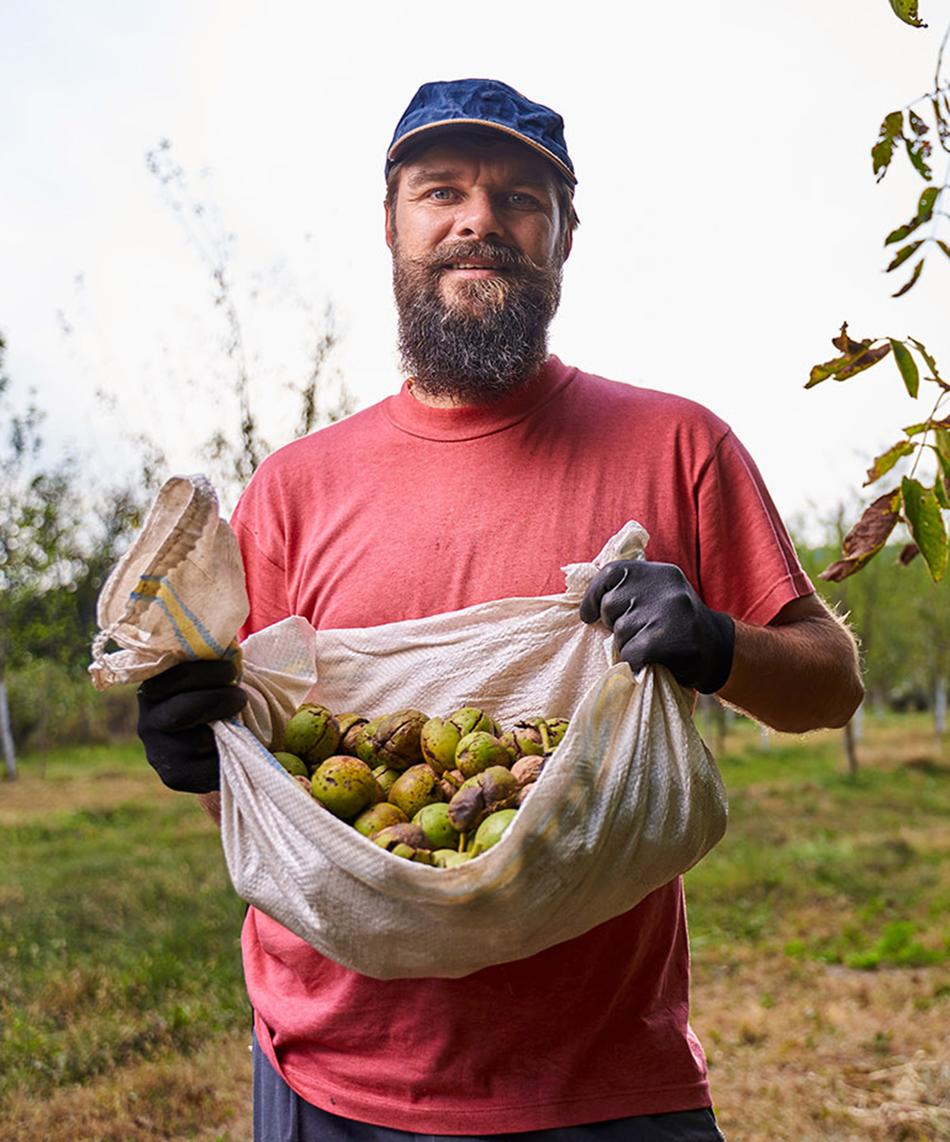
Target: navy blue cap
483 103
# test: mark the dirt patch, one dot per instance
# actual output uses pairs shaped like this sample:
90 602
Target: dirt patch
32 798
805 1051
205 1098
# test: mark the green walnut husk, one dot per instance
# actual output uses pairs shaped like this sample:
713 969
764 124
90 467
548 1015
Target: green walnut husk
415 788
378 817
407 841
312 733
451 782
294 765
350 727
438 740
434 821
479 751
449 858
524 738
345 785
396 739
386 777
491 830
364 745
493 789
470 720
557 728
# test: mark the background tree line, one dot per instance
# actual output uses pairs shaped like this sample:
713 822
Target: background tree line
61 532
63 528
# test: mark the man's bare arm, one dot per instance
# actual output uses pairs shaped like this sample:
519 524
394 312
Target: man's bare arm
799 673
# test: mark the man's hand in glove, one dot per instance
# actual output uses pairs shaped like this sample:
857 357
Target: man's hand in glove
175 709
657 617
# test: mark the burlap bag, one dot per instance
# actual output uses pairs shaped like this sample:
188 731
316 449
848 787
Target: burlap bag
630 799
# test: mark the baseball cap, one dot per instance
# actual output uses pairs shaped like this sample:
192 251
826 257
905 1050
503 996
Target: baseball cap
483 103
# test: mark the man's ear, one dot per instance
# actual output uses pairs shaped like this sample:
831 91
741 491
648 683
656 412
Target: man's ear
568 243
389 226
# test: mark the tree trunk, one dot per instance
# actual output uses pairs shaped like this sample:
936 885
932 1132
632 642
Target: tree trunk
850 748
857 723
720 717
940 705
6 734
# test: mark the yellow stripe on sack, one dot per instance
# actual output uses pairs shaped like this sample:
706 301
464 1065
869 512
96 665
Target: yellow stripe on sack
195 639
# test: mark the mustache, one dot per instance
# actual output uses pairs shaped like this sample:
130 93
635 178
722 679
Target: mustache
496 252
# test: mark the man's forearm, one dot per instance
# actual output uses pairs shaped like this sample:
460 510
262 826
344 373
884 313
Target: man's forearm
800 673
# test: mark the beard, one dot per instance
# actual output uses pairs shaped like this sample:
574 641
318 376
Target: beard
488 336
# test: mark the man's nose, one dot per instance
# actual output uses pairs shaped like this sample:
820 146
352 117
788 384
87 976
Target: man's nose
477 218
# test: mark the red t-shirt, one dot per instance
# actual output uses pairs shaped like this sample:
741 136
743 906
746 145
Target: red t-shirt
402 511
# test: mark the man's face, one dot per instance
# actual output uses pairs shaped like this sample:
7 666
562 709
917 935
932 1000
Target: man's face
477 248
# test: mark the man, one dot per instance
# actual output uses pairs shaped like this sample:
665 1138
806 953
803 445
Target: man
493 467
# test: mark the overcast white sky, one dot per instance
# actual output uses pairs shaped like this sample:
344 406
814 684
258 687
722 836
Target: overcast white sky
730 220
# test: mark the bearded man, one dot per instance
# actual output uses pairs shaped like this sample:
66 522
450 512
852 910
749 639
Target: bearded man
509 465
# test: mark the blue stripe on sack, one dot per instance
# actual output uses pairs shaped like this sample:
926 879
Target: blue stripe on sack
260 747
185 644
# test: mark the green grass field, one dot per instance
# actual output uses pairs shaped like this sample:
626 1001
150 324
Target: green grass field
819 927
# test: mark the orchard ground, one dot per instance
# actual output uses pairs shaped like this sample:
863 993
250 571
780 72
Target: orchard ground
819 927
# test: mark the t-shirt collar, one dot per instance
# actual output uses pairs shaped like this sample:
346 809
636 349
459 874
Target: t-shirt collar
465 422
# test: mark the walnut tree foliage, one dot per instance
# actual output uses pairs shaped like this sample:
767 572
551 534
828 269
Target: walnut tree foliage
916 501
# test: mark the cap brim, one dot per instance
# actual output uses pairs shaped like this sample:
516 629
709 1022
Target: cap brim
444 125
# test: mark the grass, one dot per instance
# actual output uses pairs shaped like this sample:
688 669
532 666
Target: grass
119 933
819 928
848 870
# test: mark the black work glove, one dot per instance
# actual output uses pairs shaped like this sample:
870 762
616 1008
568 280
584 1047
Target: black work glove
175 709
657 617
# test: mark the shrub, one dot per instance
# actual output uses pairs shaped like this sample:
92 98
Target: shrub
51 705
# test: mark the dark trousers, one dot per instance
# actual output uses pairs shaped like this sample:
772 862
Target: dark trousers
281 1115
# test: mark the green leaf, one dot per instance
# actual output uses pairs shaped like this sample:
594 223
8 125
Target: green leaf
882 152
923 515
911 281
866 538
943 128
943 246
926 425
886 461
907 365
942 449
906 10
925 209
940 492
918 151
929 360
903 254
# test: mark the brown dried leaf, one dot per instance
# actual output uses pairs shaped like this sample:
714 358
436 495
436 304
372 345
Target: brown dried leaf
845 344
911 281
866 538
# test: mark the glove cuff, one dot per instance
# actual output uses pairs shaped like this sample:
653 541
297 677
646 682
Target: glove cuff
720 666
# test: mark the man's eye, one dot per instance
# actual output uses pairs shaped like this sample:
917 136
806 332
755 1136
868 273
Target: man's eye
518 198
441 194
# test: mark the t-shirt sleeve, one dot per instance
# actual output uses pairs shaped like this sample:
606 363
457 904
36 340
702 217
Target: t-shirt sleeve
747 562
255 527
